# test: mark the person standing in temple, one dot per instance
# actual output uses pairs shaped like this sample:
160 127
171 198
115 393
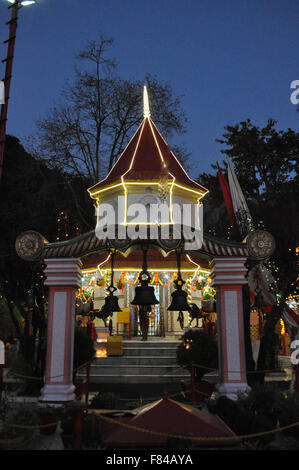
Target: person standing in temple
144 320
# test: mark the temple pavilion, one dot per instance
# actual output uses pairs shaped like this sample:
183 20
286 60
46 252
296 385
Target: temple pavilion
148 173
149 232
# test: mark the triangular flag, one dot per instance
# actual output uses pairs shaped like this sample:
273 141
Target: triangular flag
241 210
2 92
226 196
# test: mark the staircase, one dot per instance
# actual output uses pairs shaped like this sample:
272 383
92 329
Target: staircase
142 362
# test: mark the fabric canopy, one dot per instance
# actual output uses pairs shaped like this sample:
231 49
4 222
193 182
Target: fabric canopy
158 422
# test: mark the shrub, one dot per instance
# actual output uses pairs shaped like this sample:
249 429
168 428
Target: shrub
198 348
288 413
84 350
19 421
255 412
105 400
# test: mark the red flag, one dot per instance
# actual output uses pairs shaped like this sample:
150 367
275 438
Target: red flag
227 196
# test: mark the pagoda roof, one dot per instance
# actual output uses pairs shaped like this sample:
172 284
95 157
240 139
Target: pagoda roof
88 244
155 261
148 157
156 422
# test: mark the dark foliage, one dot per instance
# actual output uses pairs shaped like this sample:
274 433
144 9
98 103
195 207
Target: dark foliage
198 348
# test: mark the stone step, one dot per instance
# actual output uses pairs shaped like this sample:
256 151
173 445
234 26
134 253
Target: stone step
135 360
136 379
153 343
149 351
139 370
152 361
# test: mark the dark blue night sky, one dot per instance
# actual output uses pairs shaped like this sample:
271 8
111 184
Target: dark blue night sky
229 60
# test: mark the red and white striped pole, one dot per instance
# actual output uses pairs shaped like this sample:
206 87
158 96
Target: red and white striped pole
228 276
63 276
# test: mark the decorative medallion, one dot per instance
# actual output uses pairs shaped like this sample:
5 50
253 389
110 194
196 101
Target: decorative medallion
30 245
260 244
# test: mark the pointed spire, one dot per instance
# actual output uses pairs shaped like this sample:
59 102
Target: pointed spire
146 109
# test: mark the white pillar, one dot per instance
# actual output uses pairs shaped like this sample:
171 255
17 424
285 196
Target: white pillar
228 275
63 278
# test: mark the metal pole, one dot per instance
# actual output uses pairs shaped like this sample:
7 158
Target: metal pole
77 442
13 23
87 383
193 393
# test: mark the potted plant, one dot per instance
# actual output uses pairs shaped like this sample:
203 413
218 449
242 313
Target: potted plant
48 418
67 424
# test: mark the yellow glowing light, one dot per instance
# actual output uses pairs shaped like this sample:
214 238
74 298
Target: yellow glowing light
101 353
145 183
198 267
156 142
146 113
112 186
103 262
171 199
96 191
136 148
146 108
126 200
153 270
202 193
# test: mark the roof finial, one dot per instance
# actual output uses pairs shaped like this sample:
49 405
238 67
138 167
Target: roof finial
146 109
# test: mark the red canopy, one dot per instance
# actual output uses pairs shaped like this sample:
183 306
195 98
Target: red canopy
146 157
156 423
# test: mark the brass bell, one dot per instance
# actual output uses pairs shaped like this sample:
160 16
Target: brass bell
111 304
144 295
179 301
111 301
179 296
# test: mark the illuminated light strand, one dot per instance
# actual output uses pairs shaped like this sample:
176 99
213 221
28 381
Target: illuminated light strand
157 144
146 108
94 192
112 186
99 265
202 194
206 190
136 148
93 270
198 266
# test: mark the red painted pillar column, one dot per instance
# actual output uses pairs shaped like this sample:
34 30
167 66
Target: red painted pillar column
63 278
229 275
